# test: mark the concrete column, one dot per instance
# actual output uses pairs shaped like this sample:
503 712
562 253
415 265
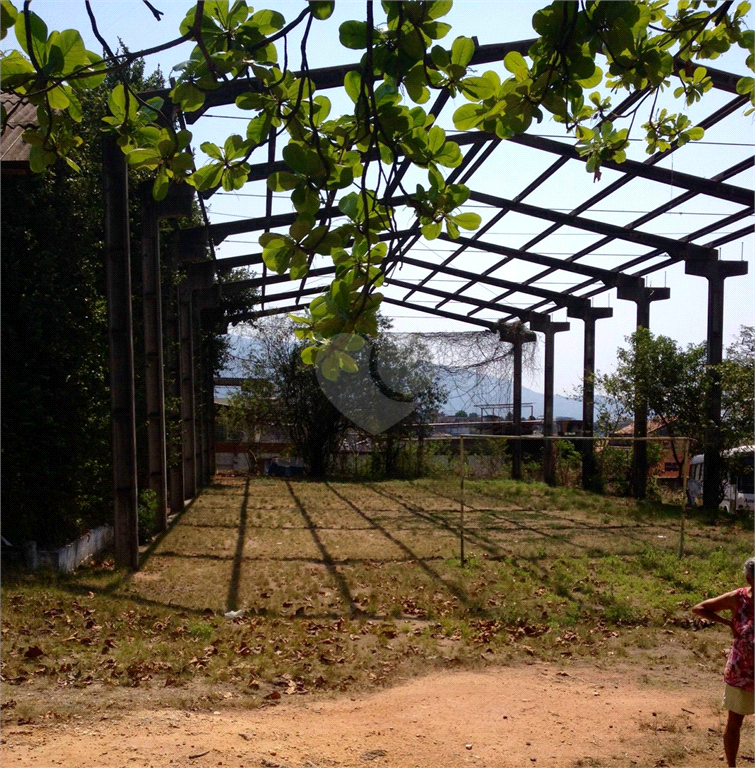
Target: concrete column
517 335
642 297
121 346
188 413
153 357
205 301
545 325
589 315
175 464
716 273
177 203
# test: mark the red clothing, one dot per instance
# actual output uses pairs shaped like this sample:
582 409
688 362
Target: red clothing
739 667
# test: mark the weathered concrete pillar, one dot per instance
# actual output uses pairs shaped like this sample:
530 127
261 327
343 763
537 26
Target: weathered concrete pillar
589 315
175 462
716 273
177 203
642 296
188 413
517 335
205 298
545 325
121 346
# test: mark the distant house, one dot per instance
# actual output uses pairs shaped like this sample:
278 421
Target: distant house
566 426
667 468
238 451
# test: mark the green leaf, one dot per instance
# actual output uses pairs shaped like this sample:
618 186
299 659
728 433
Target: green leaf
161 185
353 34
449 156
277 255
57 98
15 70
451 228
696 133
413 44
478 88
187 96
462 51
515 63
305 200
8 16
745 85
434 9
308 355
281 181
435 139
207 177
440 57
68 49
211 150
468 116
38 31
144 158
593 80
258 129
298 267
329 368
432 230
347 363
469 221
296 158
268 22
300 228
352 83
234 147
39 158
321 9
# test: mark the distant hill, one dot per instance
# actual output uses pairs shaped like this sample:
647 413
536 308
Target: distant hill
465 388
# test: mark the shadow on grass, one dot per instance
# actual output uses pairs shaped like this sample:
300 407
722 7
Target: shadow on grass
232 601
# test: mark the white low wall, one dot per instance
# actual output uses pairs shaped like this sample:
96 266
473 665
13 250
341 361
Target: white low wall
69 557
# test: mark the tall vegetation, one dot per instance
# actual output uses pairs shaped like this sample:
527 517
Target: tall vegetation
281 393
56 405
674 382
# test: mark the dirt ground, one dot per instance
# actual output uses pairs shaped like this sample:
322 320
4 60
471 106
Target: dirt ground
529 715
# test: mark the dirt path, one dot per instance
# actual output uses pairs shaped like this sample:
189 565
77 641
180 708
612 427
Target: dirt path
533 715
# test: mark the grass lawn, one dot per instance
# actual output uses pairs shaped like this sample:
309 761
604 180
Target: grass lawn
347 585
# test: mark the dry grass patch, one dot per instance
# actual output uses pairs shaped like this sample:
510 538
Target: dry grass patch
349 585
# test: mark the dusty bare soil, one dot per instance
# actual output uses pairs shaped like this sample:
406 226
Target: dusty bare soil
530 715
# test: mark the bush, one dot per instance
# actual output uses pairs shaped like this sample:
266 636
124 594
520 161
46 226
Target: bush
147 510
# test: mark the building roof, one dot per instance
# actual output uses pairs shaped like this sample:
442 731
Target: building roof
14 151
654 425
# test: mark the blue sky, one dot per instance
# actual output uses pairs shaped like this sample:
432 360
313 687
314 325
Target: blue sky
683 317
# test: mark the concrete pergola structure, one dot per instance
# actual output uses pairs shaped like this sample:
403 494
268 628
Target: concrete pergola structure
199 296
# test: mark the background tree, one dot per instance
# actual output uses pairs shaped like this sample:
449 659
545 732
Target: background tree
404 374
674 382
282 393
737 385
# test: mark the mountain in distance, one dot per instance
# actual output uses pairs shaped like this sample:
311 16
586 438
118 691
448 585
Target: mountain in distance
466 389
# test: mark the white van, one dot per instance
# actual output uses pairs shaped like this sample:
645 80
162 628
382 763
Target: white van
738 490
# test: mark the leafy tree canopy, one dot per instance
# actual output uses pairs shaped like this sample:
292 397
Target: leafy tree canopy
674 383
350 163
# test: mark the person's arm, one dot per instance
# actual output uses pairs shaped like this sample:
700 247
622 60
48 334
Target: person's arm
709 609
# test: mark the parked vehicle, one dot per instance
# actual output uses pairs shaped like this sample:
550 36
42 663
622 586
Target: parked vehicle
738 486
